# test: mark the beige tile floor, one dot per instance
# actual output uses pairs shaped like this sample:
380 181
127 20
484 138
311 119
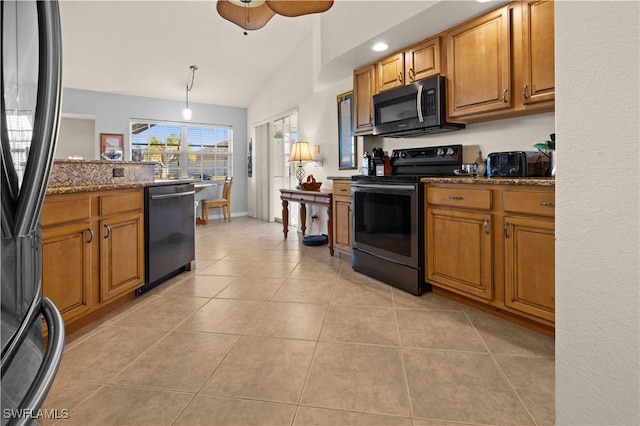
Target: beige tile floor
268 331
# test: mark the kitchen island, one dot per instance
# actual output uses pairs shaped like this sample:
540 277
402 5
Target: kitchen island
93 236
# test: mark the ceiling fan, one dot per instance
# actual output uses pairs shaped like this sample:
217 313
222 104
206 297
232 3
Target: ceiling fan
254 14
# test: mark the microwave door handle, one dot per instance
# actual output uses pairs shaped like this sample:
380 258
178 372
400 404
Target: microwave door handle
419 104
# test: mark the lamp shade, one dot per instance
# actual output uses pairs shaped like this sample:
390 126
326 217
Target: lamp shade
300 152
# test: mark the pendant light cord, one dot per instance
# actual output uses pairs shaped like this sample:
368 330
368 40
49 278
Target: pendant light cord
190 86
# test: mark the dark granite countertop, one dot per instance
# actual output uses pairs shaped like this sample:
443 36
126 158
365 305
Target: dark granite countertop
523 181
56 190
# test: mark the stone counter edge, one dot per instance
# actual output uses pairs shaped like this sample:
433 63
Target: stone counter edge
492 181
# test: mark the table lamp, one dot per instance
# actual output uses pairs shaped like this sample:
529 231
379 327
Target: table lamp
300 152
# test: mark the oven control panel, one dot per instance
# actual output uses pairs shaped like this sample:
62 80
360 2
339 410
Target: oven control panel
433 155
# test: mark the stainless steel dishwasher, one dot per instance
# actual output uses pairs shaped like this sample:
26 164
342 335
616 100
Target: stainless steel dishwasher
169 232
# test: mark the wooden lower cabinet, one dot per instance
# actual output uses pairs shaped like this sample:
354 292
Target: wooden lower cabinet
529 262
459 252
493 246
92 252
342 217
66 268
121 255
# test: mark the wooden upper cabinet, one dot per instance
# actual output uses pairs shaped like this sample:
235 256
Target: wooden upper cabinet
538 65
422 60
391 72
364 87
479 65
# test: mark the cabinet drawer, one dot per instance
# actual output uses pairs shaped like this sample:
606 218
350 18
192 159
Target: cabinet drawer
530 202
120 202
342 188
62 209
460 197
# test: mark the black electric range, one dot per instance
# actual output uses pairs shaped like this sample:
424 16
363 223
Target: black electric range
388 216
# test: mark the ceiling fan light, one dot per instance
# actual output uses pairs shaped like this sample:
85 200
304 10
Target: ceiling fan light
300 7
247 17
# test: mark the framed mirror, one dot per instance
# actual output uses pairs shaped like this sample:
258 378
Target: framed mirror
346 141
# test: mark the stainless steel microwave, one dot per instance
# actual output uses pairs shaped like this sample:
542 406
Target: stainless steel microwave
416 109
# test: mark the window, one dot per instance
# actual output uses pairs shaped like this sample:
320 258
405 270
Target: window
184 150
20 133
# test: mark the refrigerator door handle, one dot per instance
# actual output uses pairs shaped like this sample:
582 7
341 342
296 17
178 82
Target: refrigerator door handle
45 128
37 392
12 346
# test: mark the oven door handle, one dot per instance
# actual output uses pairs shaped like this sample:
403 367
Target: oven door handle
385 187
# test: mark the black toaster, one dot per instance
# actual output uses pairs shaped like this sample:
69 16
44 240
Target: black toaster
517 164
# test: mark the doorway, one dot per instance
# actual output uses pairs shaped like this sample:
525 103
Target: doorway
284 134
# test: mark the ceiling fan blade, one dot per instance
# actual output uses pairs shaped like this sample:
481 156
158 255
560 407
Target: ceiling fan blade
292 8
247 17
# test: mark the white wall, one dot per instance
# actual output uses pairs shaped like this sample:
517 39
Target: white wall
597 222
113 114
76 137
510 134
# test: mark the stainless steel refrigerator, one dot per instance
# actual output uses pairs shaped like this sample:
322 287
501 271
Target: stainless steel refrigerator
30 106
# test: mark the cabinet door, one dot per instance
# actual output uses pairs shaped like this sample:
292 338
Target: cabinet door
364 87
342 234
422 60
391 72
66 268
121 255
538 63
459 252
530 266
478 64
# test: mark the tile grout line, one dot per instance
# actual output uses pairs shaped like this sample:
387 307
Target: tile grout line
402 363
491 354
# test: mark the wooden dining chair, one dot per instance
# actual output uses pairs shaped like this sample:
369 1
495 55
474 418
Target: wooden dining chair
224 203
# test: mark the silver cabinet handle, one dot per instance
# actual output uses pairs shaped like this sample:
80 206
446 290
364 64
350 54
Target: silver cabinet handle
547 204
90 235
504 96
524 92
412 75
400 77
455 197
108 228
506 230
485 225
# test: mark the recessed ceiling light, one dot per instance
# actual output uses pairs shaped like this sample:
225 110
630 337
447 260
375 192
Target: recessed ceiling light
483 1
380 47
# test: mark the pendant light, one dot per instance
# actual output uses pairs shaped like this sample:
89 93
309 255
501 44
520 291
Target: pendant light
254 14
186 112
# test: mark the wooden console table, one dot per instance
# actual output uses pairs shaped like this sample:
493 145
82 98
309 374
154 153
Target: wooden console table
318 198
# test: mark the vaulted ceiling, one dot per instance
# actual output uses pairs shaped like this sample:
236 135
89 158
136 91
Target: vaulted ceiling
145 48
